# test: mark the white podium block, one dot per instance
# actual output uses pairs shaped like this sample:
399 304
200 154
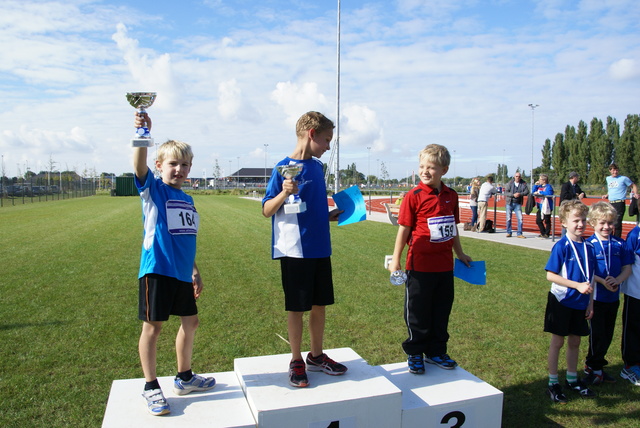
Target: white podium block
222 407
361 398
445 398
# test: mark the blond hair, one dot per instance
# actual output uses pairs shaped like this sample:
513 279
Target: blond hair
601 210
313 120
572 206
174 149
435 153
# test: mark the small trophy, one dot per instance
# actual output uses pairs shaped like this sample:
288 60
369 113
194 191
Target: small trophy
294 204
141 100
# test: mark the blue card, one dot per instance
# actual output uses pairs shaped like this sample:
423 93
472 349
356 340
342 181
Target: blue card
476 274
352 203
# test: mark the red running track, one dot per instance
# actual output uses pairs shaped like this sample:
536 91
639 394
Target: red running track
499 216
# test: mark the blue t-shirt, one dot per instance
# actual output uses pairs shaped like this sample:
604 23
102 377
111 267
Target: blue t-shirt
170 227
618 187
611 256
563 262
306 234
631 287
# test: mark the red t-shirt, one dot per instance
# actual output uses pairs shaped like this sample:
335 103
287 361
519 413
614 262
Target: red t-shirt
433 218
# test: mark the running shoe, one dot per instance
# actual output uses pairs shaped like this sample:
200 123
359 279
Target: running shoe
595 378
298 374
555 393
416 364
156 403
580 387
632 374
322 363
197 383
443 361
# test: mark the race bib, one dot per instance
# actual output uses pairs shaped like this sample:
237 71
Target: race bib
442 228
182 218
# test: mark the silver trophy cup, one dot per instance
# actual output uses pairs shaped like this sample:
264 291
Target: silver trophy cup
141 101
293 205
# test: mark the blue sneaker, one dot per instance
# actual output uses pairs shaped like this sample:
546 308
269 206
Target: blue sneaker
416 364
632 374
197 383
443 361
156 403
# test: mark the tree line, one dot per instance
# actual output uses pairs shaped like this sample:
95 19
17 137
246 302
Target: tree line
590 149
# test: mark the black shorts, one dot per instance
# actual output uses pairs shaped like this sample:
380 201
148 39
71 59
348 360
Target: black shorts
306 282
160 296
563 321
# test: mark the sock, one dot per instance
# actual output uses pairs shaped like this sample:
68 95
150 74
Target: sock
597 372
572 377
151 385
553 379
186 375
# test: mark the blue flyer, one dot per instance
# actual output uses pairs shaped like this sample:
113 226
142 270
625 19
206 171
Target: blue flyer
476 274
352 203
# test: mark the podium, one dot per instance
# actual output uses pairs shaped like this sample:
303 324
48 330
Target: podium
257 394
224 406
362 397
445 398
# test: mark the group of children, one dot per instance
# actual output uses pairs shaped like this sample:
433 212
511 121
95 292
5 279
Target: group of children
586 273
587 276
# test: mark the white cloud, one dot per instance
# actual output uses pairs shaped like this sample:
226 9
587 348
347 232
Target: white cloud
153 73
232 105
295 100
625 69
362 128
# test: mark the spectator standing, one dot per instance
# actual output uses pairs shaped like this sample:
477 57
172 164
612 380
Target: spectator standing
571 189
617 186
515 191
484 194
544 201
473 200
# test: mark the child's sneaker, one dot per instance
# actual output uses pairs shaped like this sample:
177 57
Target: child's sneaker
416 364
594 378
156 403
632 374
443 361
555 393
582 389
197 383
298 374
322 363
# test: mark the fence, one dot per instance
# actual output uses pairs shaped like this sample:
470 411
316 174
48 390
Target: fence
19 194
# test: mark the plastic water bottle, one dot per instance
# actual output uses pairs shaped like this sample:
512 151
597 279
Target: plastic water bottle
398 277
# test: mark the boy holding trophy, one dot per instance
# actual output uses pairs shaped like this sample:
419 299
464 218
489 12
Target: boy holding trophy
296 200
169 279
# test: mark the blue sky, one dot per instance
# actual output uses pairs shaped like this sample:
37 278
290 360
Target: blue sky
233 76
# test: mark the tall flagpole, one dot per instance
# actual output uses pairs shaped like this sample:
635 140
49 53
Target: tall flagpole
337 139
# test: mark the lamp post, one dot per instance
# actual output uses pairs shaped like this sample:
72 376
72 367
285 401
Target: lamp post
533 108
369 176
265 167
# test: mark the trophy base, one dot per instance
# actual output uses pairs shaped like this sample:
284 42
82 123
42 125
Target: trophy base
142 142
295 208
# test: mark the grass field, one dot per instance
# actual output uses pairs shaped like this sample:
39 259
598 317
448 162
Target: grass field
69 311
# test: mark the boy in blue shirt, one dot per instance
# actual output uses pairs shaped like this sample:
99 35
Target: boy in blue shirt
613 267
570 269
169 279
302 243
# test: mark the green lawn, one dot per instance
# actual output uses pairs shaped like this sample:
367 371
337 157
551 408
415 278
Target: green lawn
69 311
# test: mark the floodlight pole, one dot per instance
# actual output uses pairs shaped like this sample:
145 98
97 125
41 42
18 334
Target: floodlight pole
337 140
533 108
